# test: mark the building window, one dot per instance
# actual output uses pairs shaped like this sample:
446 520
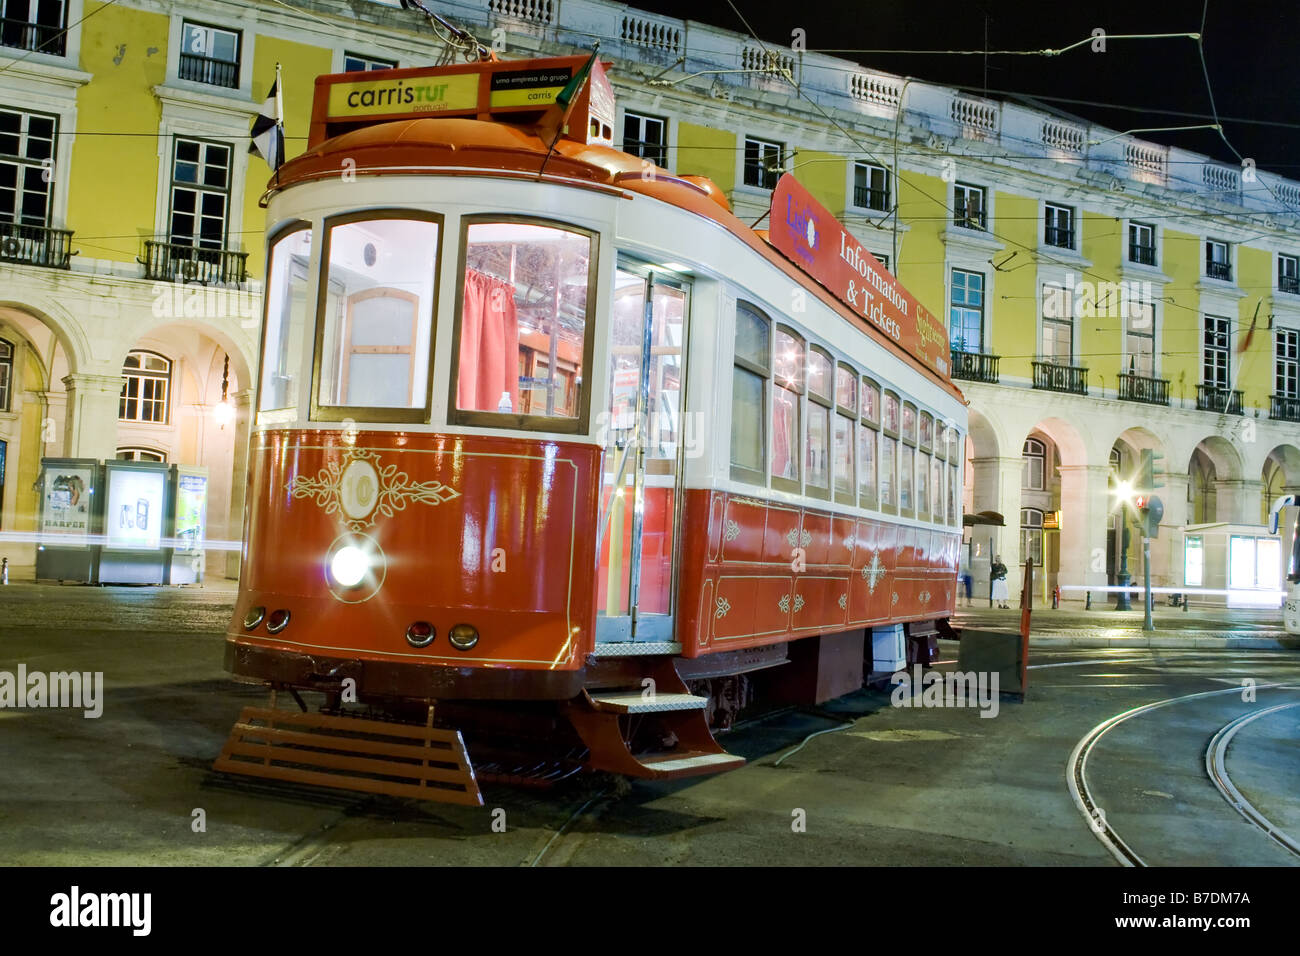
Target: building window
870 187
1142 243
752 366
882 258
762 162
358 63
1035 455
1058 325
1218 265
1286 352
6 373
209 55
1288 274
646 137
200 194
140 454
1214 356
1140 337
1031 535
968 207
26 158
966 313
146 382
34 25
1059 229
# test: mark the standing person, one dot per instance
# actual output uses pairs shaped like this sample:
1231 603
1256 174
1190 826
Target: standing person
999 575
964 576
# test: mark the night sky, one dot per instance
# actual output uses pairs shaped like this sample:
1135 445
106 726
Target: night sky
1252 49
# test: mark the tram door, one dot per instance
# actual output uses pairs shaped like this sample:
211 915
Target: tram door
645 436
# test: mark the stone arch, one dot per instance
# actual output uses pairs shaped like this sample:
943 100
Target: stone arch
67 331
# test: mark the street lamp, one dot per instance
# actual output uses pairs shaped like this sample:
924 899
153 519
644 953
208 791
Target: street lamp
1123 492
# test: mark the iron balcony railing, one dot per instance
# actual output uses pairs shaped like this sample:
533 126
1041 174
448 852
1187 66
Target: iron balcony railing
1140 388
968 218
1289 284
865 197
181 262
201 69
1061 378
33 37
975 366
1213 398
1284 408
1060 237
1219 270
1141 254
35 245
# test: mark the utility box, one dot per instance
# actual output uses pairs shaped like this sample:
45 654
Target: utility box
987 652
888 649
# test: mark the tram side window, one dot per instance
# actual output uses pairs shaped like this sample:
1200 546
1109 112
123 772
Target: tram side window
868 439
524 322
787 388
748 392
846 407
889 454
377 313
286 319
821 380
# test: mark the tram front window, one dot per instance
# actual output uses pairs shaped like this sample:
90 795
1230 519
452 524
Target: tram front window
377 313
523 324
286 317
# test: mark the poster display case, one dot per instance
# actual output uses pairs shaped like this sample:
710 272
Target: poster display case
136 502
70 509
188 517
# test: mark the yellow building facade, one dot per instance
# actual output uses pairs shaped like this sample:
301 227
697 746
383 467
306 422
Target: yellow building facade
1105 295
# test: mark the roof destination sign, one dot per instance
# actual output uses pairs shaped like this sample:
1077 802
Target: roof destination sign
403 95
528 87
805 232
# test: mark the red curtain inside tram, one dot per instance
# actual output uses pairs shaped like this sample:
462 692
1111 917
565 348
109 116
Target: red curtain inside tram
489 344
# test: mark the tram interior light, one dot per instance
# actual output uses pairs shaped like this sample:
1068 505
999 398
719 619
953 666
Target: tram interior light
349 565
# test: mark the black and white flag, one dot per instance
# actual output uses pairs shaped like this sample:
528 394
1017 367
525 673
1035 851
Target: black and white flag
268 127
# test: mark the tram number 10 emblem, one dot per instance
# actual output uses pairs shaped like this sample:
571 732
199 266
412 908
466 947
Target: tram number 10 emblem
358 489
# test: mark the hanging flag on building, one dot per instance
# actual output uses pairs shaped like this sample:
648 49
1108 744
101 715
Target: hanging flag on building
268 127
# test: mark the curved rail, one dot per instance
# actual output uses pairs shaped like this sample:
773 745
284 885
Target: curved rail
1216 766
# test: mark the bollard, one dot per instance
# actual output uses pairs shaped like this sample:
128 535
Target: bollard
1056 598
1185 603
4 570
1087 600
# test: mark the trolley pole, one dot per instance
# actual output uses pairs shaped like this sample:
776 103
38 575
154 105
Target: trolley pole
1146 577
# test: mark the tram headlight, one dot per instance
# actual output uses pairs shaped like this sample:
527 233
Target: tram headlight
463 636
349 566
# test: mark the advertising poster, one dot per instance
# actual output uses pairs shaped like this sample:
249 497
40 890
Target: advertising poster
134 517
191 510
65 504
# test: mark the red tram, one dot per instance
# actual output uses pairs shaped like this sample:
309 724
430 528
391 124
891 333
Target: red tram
552 449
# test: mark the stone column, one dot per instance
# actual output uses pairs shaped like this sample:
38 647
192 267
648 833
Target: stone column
1085 519
1237 500
90 426
1167 549
243 401
997 488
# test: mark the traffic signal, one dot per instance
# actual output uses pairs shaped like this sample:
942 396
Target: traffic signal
1147 481
1150 510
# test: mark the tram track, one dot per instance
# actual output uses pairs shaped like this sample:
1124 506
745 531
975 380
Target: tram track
1094 814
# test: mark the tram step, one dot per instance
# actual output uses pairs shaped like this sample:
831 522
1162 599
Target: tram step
636 702
636 648
684 764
